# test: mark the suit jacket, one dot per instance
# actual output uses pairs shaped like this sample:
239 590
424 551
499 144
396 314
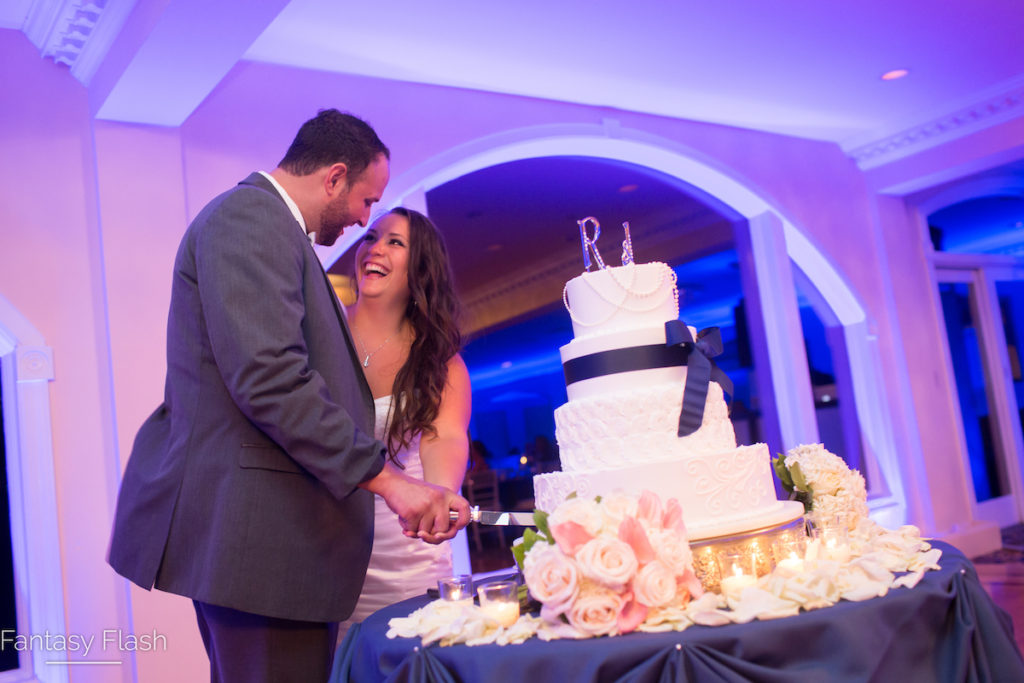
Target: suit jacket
241 488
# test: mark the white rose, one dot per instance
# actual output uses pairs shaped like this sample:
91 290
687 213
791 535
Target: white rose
553 578
826 482
654 585
616 507
672 550
596 610
582 511
608 561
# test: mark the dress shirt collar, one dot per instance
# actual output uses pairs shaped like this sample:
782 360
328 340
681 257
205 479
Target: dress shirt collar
292 206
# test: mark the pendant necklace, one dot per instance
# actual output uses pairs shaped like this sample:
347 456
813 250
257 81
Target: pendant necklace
366 360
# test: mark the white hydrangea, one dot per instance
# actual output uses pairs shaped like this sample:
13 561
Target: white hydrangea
835 489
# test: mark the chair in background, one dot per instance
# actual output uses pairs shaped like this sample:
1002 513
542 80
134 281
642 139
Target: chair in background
481 489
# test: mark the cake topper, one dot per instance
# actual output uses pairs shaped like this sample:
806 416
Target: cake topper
627 246
590 244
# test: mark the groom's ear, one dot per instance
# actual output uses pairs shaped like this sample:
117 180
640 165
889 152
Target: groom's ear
335 179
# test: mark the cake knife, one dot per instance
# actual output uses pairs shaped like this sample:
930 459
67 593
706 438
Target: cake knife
496 518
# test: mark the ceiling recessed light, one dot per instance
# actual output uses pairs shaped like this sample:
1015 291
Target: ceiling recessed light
894 74
628 188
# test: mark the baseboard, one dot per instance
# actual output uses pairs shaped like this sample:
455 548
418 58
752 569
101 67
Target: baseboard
974 539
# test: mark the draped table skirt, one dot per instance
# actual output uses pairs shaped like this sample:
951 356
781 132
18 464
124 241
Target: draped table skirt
944 629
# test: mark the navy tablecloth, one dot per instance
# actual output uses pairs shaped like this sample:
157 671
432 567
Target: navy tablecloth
944 629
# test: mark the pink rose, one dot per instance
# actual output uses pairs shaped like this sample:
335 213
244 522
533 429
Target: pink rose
608 561
596 610
654 585
570 537
552 578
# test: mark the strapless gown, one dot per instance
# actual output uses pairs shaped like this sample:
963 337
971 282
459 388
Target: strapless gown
400 567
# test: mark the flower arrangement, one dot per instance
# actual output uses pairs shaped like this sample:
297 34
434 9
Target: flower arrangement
823 483
607 565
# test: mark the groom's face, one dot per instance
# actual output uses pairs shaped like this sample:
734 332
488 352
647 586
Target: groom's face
352 203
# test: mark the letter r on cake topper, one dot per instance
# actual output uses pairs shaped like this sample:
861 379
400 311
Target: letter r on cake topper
589 243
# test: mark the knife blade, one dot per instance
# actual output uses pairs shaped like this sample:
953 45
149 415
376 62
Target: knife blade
496 517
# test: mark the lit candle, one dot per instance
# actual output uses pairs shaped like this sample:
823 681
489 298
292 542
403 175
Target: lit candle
505 613
840 552
456 589
733 585
500 601
790 566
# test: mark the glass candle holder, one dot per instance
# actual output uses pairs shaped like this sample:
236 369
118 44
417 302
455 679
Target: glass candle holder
833 535
456 588
738 570
789 556
500 601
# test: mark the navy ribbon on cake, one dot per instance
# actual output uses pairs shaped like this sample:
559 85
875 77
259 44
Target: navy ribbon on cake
680 348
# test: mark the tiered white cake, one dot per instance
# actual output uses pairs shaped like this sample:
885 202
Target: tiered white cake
619 431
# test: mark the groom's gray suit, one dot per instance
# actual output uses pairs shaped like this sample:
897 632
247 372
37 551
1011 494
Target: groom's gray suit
241 489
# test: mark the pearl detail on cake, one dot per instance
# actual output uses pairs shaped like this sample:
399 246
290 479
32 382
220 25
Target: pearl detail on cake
616 306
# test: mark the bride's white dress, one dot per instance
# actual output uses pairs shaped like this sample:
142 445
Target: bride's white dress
400 567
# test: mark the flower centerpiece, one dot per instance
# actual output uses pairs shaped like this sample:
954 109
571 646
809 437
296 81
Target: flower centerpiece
823 483
605 566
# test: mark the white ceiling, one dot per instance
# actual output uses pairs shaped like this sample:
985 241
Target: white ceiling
802 67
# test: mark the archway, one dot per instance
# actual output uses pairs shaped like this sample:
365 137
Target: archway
773 238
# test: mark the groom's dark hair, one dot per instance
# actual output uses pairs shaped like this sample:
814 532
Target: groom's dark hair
331 137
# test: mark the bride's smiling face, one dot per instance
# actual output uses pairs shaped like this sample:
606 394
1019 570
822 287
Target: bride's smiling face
382 259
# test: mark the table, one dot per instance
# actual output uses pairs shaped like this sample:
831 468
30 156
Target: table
944 629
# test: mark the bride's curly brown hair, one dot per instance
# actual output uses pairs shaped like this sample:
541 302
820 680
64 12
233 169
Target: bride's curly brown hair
433 311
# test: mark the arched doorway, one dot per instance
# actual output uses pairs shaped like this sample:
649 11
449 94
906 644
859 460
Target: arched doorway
771 244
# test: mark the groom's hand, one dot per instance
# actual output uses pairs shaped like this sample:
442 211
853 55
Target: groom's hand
422 508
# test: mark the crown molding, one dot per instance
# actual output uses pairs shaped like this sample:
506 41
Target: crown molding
76 33
1003 103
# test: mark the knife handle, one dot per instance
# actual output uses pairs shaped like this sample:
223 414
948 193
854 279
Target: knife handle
474 514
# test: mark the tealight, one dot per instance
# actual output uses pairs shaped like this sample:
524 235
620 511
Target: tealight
500 601
456 588
738 571
791 565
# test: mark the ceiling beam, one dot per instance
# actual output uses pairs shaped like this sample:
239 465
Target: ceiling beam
171 54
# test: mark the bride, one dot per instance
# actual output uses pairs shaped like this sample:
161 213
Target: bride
406 335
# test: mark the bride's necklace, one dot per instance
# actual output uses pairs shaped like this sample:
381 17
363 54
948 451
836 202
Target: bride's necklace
369 355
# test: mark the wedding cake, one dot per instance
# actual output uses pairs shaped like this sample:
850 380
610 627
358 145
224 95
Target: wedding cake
620 430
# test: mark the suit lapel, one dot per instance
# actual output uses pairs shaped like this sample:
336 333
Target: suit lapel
258 180
343 321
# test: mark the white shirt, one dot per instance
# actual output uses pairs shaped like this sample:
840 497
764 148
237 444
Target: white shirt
290 203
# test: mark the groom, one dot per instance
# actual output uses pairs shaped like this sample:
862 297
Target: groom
250 489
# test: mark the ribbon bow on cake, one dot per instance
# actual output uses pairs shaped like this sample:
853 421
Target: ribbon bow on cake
680 348
700 370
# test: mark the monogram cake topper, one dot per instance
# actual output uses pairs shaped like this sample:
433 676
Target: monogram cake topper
590 244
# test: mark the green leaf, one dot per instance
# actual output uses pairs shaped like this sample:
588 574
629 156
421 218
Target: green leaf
571 496
597 500
540 518
798 478
779 465
519 551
